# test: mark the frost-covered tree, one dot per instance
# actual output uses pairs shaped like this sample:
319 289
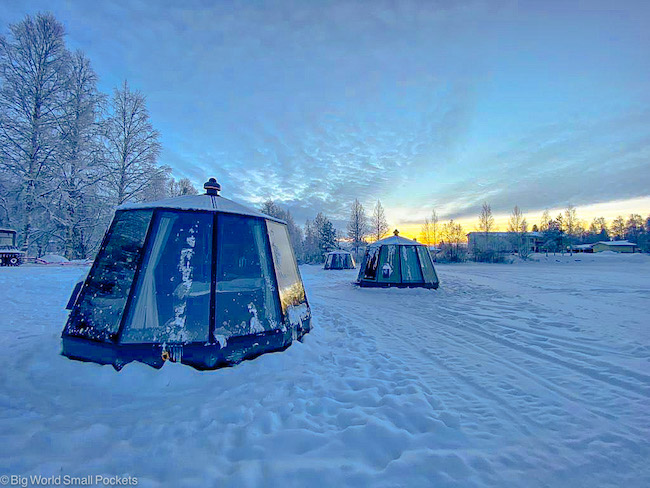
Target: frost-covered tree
618 228
325 233
571 224
378 222
598 230
33 73
131 146
357 226
485 223
181 187
518 228
269 207
634 227
74 203
544 221
430 232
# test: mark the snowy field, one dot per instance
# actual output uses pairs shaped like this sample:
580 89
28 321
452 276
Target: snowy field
530 374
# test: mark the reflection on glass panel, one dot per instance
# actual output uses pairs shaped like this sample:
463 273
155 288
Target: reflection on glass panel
328 262
427 265
292 293
411 272
172 298
100 308
245 301
389 271
372 260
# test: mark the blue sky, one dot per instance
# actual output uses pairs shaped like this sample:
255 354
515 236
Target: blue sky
421 104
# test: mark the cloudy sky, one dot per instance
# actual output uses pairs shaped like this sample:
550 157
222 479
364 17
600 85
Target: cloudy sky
421 104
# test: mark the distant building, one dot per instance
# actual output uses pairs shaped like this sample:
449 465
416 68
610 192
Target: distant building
616 246
505 242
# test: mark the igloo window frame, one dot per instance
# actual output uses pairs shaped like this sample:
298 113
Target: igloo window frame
216 351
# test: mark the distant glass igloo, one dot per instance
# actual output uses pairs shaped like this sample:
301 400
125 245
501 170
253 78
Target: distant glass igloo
197 279
339 260
396 261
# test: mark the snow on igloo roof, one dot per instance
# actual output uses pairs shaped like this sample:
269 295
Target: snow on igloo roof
395 240
206 202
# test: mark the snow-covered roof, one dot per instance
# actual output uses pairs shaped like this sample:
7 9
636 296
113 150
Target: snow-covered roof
339 251
617 243
7 230
213 203
395 240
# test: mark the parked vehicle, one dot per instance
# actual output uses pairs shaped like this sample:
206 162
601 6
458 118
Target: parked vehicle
10 255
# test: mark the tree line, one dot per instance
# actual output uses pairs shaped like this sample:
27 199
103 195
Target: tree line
68 153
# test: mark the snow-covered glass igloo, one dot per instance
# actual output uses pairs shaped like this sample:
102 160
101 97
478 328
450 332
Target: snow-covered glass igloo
339 260
197 279
396 261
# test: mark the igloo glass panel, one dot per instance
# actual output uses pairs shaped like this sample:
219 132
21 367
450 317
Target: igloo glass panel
172 299
329 261
411 272
245 294
389 271
104 297
427 265
292 293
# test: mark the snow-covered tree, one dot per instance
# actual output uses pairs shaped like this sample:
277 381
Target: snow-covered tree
378 222
571 224
131 146
269 207
325 233
518 228
485 223
33 73
618 228
181 187
357 226
544 221
74 203
634 227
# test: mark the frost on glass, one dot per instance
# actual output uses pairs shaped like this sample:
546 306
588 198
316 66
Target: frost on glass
172 299
245 290
389 271
428 270
371 263
100 307
291 290
411 272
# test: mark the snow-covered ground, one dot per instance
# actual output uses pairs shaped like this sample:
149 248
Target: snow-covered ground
530 374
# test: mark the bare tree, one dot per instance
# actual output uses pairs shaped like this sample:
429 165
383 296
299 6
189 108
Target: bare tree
181 187
131 146
73 203
518 228
618 227
570 221
544 221
434 226
425 232
378 224
33 68
357 225
486 223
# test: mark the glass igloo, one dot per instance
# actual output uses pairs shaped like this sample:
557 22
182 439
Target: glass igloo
197 279
396 261
339 260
